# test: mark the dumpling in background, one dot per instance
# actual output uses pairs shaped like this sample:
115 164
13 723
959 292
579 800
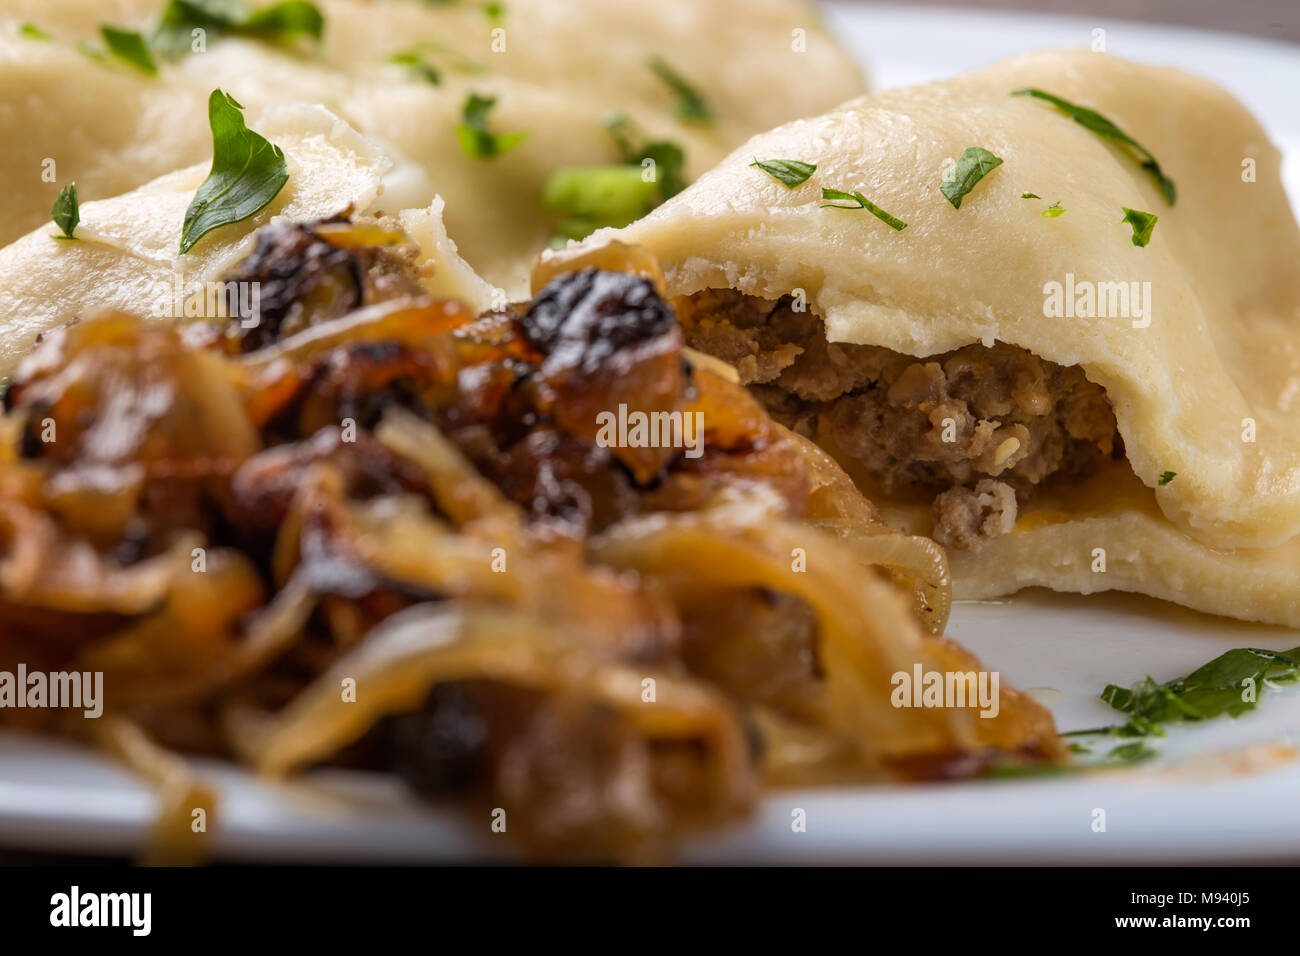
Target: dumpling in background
126 256
575 83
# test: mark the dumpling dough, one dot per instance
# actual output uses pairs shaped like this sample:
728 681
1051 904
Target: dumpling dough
1214 364
565 65
126 255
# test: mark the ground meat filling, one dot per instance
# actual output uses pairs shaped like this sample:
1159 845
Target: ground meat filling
980 428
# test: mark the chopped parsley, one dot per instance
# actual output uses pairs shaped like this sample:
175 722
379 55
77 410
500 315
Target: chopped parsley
855 200
670 162
247 172
1230 684
174 33
1092 120
477 141
1142 223
1166 477
593 197
430 53
669 158
691 106
414 61
495 12
1030 196
791 172
32 31
972 166
66 211
129 47
1135 752
1054 210
278 23
283 21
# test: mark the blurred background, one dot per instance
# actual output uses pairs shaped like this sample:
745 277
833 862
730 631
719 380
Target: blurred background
1276 19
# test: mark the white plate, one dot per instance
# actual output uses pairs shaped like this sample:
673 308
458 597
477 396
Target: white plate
1224 791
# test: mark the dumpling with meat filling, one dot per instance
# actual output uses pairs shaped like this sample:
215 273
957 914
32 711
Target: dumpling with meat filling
1054 322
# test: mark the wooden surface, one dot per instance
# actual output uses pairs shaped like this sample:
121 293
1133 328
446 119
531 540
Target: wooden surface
1276 19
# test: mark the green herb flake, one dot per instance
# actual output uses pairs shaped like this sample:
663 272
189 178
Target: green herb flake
691 105
855 200
1143 223
66 211
129 47
1136 752
1092 120
1166 477
495 12
476 140
1054 210
1030 196
439 58
972 166
285 21
593 197
33 32
284 24
247 173
180 18
669 164
280 23
791 172
669 158
1230 684
414 61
